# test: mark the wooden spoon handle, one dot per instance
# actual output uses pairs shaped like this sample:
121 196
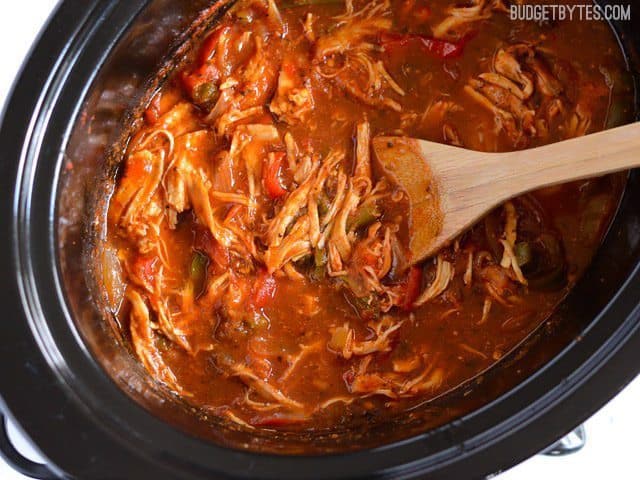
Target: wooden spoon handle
589 156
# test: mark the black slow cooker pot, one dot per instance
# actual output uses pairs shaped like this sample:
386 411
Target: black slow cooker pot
85 403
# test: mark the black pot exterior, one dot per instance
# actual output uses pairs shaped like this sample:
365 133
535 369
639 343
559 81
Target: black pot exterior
92 419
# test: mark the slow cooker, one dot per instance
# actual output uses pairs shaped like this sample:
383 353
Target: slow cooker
79 395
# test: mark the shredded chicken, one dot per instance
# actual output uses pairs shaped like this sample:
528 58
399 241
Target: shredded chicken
133 204
395 385
339 237
262 387
228 119
363 151
444 274
510 259
235 419
473 351
308 27
460 16
291 209
510 227
498 283
507 92
468 273
293 247
293 100
486 309
351 45
305 350
144 343
577 124
352 35
344 343
247 85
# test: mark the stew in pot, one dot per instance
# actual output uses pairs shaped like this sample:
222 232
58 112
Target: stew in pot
261 256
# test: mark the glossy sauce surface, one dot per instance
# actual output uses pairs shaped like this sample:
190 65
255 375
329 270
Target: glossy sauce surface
263 251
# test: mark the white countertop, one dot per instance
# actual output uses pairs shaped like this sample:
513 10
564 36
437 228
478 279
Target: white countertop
611 446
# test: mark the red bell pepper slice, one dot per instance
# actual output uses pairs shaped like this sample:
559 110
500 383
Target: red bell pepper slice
442 49
204 71
414 281
271 175
145 267
210 45
264 289
152 113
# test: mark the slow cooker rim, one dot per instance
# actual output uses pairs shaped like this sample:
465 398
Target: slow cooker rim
17 125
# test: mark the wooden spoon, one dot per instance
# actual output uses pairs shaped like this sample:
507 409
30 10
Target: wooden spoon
450 188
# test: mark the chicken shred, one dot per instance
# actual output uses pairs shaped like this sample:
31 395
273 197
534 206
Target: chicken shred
444 274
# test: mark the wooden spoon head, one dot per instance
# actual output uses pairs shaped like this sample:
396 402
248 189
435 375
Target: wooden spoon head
439 182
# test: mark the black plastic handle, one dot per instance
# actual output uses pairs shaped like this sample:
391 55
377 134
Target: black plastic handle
17 461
